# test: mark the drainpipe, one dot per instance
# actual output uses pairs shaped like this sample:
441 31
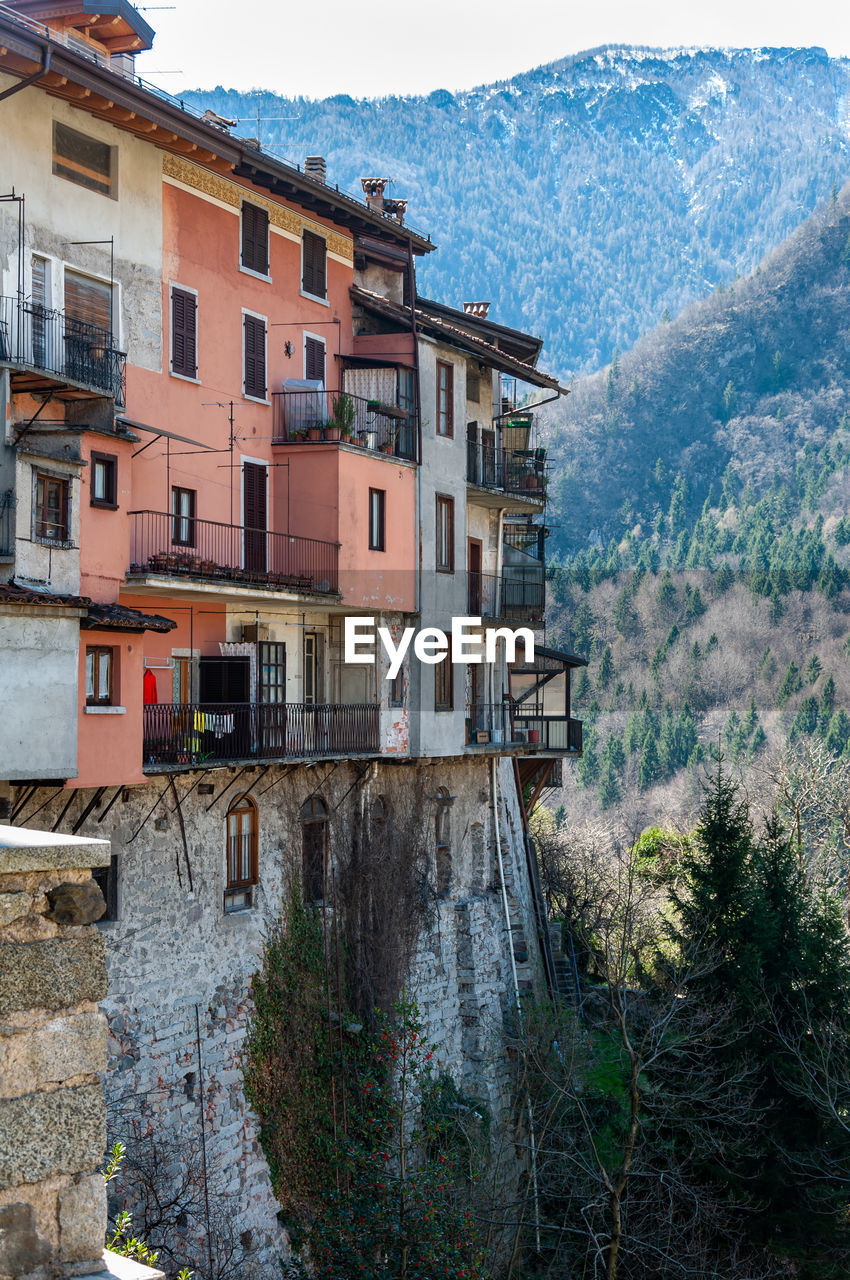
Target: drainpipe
494 799
411 284
36 75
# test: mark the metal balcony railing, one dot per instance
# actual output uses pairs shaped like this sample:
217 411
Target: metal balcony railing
501 723
182 546
338 416
53 343
519 594
513 470
197 733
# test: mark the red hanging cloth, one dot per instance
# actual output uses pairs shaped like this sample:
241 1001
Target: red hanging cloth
150 696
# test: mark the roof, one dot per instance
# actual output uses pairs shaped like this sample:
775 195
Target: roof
524 346
133 105
124 28
453 334
103 617
118 617
560 656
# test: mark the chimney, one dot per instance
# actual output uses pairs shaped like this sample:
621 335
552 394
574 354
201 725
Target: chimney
315 167
395 209
478 309
373 190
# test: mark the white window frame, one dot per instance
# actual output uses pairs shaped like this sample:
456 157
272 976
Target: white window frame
249 271
314 337
314 297
187 288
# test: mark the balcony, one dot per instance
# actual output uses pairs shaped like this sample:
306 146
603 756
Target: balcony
52 351
198 734
500 724
519 471
337 416
184 547
518 595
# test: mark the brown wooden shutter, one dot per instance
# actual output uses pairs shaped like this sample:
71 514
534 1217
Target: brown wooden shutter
255 357
314 276
255 238
184 308
314 360
87 300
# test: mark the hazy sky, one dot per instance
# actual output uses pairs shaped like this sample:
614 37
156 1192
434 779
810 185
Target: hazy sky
366 50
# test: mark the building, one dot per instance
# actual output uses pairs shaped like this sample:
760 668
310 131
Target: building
232 424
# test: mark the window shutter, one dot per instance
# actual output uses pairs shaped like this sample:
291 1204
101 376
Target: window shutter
87 300
314 276
255 238
255 357
184 308
314 360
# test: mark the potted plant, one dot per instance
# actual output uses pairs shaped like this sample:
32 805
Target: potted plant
314 432
331 430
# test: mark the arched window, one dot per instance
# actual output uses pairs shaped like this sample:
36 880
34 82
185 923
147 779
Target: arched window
314 847
443 841
378 815
242 843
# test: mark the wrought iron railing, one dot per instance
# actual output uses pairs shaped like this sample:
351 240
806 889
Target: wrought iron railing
182 546
7 523
504 723
338 416
52 342
198 733
514 470
518 594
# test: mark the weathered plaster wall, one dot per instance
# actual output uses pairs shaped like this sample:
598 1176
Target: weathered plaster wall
39 734
180 968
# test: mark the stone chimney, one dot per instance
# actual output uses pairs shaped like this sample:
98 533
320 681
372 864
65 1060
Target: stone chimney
478 309
315 167
373 190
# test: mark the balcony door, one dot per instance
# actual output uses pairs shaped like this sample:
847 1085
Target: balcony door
474 564
255 515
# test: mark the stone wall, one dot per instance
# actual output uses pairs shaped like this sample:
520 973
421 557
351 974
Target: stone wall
52 1050
180 970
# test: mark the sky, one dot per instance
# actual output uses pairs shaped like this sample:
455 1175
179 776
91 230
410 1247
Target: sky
388 47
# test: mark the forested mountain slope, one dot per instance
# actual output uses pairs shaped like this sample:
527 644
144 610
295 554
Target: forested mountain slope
588 196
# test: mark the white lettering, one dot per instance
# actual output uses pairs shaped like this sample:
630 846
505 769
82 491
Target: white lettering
494 634
353 641
431 646
461 639
395 653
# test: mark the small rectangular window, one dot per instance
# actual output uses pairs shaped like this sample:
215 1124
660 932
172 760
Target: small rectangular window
445 399
184 333
99 676
255 239
242 854
443 685
377 513
397 690
83 160
314 255
52 522
104 480
314 360
183 517
255 357
445 534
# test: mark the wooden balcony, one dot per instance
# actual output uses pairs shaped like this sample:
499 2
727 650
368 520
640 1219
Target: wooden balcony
184 547
196 734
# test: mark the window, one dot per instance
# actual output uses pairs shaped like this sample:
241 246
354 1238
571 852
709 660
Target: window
83 160
106 879
311 668
52 517
444 685
397 690
314 844
445 399
184 333
241 854
443 841
104 480
255 239
272 671
445 534
255 356
314 254
183 517
377 507
314 360
99 676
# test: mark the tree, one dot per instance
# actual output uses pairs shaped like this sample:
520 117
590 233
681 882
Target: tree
606 668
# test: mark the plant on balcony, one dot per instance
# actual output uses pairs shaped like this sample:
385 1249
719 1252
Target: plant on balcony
314 433
344 414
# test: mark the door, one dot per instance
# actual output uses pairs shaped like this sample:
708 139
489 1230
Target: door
474 569
272 709
254 514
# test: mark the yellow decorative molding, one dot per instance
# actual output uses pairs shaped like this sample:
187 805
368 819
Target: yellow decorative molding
212 184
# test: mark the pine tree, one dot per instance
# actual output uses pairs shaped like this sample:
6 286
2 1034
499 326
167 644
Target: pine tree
649 770
723 578
790 683
606 668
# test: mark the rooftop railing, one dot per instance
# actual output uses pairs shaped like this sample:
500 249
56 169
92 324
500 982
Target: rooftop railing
181 546
338 416
42 340
198 733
